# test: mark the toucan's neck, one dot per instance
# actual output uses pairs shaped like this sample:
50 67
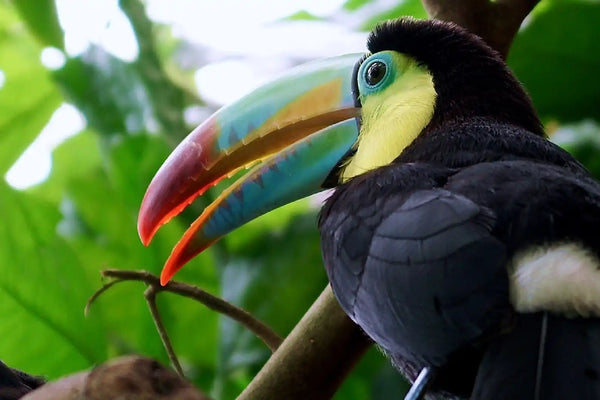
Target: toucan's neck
475 92
464 142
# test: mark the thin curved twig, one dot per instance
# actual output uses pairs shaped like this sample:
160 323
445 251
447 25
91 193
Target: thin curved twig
260 329
150 295
97 294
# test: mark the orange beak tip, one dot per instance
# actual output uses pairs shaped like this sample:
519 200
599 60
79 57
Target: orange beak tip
164 278
171 267
168 271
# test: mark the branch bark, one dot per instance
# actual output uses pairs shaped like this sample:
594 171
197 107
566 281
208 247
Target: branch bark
260 329
497 22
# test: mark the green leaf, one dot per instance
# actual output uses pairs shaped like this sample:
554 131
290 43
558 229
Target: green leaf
42 293
557 57
28 97
353 5
302 16
413 8
42 20
583 141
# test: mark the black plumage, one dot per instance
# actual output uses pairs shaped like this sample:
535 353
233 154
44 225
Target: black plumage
567 360
15 384
418 251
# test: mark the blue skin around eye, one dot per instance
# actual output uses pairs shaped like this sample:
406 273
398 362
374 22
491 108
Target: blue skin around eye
390 74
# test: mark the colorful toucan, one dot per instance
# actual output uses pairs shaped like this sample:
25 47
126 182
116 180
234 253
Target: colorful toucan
458 237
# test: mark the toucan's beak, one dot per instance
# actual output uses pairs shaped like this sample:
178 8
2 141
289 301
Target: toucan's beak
299 126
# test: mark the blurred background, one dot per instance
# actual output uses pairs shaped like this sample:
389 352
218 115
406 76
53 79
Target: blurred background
94 94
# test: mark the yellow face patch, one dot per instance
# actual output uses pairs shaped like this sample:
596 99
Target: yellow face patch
394 110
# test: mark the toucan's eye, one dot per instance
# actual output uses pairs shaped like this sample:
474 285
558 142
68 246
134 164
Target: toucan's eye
375 73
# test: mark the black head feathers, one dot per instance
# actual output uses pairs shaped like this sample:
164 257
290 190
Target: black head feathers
470 78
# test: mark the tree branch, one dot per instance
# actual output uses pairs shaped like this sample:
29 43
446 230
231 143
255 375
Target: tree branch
260 329
497 22
313 361
150 295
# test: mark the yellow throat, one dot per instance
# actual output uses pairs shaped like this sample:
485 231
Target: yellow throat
392 117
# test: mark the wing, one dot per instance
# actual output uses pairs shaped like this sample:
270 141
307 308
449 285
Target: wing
420 272
424 272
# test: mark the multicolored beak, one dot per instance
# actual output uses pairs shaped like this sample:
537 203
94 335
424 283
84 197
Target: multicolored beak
298 126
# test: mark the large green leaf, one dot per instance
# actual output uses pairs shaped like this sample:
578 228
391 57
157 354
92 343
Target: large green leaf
557 57
28 96
42 292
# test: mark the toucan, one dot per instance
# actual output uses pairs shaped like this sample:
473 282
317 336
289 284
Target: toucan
457 236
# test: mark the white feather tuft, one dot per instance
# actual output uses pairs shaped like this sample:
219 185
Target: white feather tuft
563 278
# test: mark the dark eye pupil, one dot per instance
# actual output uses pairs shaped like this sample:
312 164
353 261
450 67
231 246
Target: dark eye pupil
375 73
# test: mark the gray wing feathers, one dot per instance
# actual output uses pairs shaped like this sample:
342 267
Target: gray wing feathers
424 277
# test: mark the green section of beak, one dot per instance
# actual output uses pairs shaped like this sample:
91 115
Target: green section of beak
305 103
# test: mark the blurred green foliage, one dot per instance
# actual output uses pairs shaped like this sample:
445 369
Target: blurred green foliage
56 236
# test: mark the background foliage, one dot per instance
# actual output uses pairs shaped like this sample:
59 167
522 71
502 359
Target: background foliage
57 235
